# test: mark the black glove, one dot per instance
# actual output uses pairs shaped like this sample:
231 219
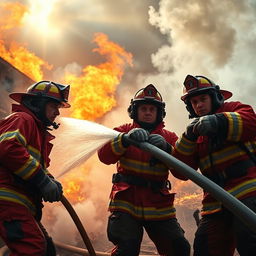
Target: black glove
138 134
206 125
189 133
158 141
51 189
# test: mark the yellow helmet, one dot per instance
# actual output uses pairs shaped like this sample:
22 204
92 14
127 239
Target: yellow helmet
45 89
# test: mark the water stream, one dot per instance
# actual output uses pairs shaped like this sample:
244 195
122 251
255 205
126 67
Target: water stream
76 141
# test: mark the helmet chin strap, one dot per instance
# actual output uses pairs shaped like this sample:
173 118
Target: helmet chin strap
55 125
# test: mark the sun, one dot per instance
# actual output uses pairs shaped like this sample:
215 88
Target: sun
39 17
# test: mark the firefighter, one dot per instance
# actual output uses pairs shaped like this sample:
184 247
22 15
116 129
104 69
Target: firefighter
24 158
140 197
220 141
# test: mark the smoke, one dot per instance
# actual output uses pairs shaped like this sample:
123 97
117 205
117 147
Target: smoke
208 39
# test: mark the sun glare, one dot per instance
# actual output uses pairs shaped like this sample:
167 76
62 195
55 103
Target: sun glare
39 16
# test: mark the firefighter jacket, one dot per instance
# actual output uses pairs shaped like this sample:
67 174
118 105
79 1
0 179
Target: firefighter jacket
141 202
228 162
24 151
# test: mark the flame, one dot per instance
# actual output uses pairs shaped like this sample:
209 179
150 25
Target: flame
93 92
15 53
11 15
92 95
192 201
73 187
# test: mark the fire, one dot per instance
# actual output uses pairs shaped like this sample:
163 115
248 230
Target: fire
93 95
11 15
14 53
93 92
73 187
192 201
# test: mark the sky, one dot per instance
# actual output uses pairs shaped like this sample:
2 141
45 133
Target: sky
167 39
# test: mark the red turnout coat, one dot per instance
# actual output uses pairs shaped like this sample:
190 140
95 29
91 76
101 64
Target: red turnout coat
141 202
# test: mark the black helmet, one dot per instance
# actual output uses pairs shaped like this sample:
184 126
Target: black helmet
147 95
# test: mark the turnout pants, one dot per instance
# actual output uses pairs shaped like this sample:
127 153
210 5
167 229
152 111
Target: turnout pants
220 233
22 233
126 233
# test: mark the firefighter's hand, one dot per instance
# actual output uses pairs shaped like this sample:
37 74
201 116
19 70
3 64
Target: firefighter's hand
138 134
158 141
189 133
206 125
51 189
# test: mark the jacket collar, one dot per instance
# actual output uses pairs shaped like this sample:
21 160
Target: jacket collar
21 108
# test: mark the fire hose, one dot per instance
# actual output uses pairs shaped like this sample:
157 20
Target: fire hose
79 225
245 214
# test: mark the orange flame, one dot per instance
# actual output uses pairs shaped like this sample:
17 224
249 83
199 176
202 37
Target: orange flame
11 15
73 187
193 201
15 53
93 93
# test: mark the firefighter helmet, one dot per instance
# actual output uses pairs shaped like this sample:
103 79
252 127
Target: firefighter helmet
196 85
39 94
46 89
147 95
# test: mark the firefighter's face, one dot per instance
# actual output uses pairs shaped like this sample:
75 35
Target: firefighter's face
147 113
52 110
202 104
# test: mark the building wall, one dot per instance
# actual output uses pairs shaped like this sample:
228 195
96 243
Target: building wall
11 80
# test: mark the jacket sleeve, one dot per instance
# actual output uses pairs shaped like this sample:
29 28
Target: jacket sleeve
14 148
241 122
111 152
185 151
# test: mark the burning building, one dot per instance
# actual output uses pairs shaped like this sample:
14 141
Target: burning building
11 79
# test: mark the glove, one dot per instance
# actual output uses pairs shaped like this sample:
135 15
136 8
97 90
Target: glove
158 141
189 133
138 134
206 125
51 189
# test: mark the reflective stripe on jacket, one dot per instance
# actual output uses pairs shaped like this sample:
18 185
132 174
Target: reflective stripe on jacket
24 150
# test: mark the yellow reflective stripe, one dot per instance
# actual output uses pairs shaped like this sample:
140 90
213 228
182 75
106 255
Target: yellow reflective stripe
41 86
34 152
28 168
221 156
143 167
13 196
237 191
143 212
13 135
243 188
54 89
117 146
185 146
211 207
46 171
235 126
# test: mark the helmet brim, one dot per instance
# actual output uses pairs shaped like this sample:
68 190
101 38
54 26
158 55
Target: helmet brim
226 94
17 96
